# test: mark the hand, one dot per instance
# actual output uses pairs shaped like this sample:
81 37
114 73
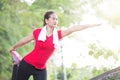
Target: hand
12 49
98 24
14 62
95 25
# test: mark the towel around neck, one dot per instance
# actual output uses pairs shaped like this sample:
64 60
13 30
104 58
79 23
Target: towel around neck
43 33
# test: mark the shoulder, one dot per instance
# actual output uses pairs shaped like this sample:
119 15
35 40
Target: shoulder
36 32
59 34
37 29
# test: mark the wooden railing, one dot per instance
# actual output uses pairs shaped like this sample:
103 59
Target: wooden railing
107 75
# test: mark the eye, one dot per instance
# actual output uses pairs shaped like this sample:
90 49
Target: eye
53 18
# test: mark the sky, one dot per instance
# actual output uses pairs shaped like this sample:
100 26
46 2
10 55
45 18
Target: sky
75 49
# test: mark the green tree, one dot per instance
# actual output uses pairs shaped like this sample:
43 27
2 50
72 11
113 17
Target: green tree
18 20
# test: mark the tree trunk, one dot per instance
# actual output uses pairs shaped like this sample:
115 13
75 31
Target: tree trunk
107 75
64 76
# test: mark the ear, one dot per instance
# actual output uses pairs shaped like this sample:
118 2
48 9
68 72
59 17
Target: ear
46 21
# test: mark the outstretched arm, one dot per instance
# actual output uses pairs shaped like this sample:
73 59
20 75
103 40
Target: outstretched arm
77 28
23 41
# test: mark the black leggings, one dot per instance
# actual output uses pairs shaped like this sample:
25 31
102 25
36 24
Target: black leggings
14 73
25 70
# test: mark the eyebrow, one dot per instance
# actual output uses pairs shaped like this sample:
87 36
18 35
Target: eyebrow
54 17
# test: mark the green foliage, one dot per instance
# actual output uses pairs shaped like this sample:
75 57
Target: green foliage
97 51
96 71
18 20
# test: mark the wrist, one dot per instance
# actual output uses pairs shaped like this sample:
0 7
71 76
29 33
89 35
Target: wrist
13 48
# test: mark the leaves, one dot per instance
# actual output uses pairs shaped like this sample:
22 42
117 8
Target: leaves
18 20
97 51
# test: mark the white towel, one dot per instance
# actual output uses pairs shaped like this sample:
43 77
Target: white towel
42 36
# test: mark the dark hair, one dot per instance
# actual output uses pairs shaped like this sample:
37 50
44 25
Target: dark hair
47 16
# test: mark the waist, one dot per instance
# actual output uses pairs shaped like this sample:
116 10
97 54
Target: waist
35 63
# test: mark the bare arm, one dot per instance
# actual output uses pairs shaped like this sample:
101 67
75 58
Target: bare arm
77 28
23 41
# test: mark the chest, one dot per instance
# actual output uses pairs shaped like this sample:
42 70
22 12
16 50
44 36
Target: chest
46 45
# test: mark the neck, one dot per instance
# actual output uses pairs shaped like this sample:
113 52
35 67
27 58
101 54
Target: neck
49 30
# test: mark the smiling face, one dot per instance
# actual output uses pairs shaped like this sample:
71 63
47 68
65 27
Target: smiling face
52 21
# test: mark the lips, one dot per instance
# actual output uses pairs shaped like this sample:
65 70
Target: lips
55 23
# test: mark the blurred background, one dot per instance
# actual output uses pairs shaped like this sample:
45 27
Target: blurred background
83 54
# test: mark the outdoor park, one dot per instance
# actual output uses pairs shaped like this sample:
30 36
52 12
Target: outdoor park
90 54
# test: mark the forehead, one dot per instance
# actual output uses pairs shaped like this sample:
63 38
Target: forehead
53 15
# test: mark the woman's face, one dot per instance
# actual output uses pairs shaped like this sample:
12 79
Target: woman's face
52 21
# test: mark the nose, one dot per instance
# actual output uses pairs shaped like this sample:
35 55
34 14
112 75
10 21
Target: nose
56 21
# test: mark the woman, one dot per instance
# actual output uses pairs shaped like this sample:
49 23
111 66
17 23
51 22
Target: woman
46 40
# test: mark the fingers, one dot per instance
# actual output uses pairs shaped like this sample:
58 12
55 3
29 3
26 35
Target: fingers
13 62
95 25
98 24
12 49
